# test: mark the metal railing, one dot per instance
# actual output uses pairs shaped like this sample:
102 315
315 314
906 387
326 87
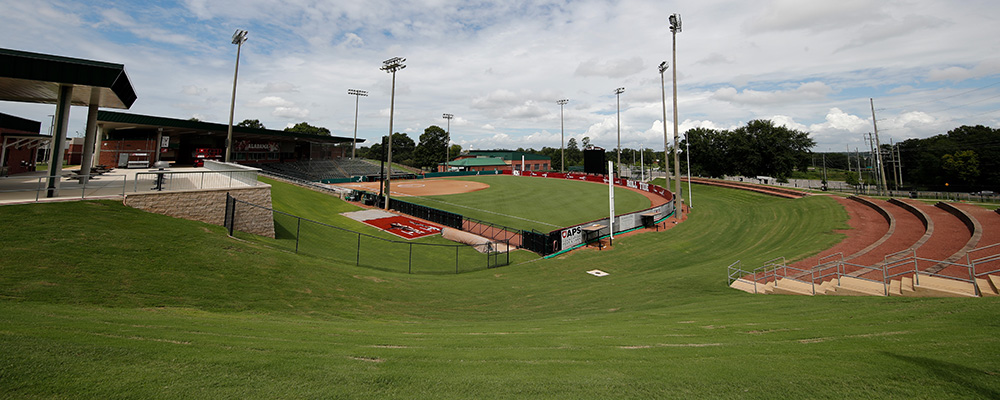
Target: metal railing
69 187
895 265
167 180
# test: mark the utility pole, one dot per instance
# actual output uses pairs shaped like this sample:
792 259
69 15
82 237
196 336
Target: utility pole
878 147
899 164
892 156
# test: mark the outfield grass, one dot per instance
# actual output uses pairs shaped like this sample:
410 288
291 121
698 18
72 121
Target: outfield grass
96 304
542 204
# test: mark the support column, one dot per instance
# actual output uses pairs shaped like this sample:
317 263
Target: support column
91 135
58 139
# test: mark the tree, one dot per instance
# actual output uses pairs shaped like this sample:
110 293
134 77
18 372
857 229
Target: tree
851 178
574 156
759 148
402 149
304 127
251 123
962 165
431 150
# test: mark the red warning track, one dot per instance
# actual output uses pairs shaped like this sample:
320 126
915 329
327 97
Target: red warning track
406 228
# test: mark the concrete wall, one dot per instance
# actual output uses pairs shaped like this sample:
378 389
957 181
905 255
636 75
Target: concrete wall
210 206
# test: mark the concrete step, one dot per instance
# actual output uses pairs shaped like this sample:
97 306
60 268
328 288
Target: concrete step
906 285
933 286
995 280
766 288
986 288
791 286
744 285
827 287
895 288
851 286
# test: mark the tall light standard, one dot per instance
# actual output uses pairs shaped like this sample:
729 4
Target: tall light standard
666 142
618 94
447 142
687 153
357 99
391 66
562 135
675 26
239 38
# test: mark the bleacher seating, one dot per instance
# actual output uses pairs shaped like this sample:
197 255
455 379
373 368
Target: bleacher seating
317 170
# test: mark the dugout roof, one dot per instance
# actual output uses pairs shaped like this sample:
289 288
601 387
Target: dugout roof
36 78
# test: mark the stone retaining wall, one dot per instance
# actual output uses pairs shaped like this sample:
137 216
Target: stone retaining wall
209 206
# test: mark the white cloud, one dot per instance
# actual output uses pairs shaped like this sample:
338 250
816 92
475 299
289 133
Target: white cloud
279 87
271 101
808 91
499 67
290 112
616 68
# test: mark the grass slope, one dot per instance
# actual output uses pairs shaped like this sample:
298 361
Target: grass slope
95 304
529 203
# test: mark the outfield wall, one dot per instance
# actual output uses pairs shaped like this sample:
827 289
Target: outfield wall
567 238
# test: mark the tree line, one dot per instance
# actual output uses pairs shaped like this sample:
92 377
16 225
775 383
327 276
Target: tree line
966 159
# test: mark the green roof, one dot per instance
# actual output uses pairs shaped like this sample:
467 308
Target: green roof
508 155
478 162
36 78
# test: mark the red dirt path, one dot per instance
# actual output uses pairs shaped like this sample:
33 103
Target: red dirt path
866 227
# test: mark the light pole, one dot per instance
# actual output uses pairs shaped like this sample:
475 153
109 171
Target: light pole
239 38
562 135
675 26
618 94
391 66
357 99
447 141
687 153
666 142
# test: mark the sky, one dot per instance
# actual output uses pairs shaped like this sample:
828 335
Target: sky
500 66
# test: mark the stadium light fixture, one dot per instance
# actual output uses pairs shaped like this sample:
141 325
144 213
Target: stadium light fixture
562 134
675 26
391 66
447 142
618 94
357 99
666 142
239 37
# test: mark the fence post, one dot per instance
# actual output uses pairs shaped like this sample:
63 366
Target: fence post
230 214
298 229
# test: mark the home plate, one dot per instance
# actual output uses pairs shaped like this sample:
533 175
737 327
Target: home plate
597 272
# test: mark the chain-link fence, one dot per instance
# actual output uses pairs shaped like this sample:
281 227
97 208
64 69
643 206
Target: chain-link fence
318 239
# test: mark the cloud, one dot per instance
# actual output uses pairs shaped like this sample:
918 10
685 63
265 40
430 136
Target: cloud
290 112
352 40
279 87
192 90
619 68
271 101
815 16
808 91
958 74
